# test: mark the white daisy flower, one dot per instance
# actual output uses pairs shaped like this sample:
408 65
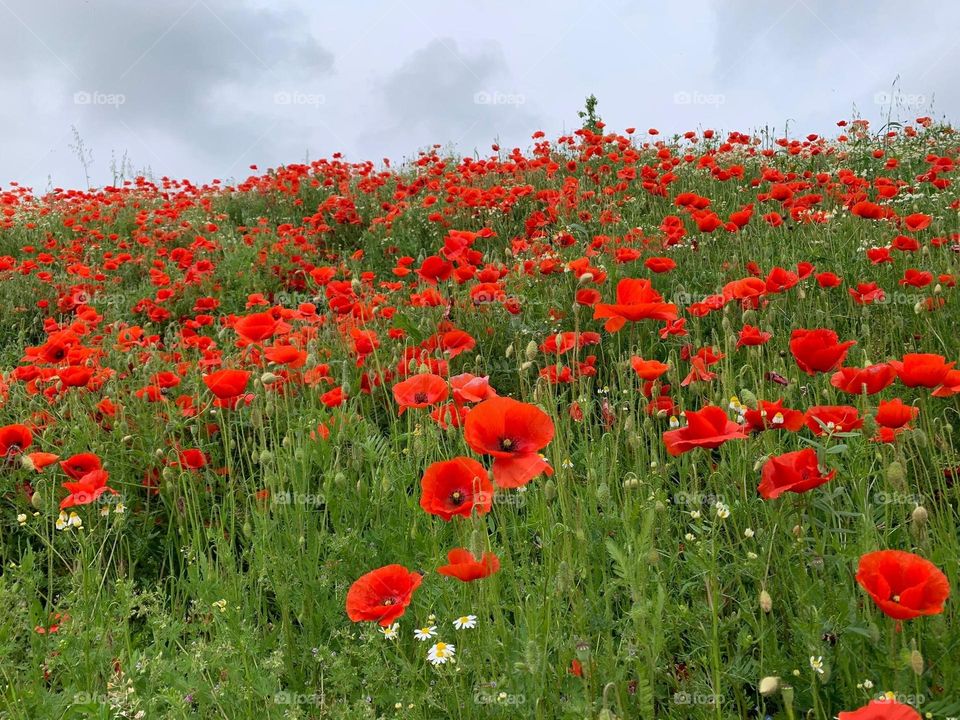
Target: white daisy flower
440 653
465 622
390 632
816 663
425 633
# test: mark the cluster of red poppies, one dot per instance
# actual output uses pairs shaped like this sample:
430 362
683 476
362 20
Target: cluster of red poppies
511 432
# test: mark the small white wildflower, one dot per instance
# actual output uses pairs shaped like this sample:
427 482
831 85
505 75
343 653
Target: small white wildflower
440 653
22 518
816 663
748 533
465 622
390 632
425 633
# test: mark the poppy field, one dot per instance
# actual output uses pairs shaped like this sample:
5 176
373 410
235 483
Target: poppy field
621 425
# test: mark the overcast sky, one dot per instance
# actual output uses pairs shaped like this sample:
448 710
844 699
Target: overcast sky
204 88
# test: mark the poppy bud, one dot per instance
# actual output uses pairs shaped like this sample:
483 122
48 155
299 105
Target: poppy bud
628 424
509 352
653 557
725 324
632 482
766 602
587 277
531 352
247 528
340 479
266 456
268 378
749 317
896 475
564 577
801 293
749 399
916 662
920 437
797 531
355 284
769 685
937 289
603 493
36 500
549 491
919 516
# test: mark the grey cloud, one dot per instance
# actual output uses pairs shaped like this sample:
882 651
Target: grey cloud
441 93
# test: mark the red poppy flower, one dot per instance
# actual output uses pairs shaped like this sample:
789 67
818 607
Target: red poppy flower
903 585
465 567
39 460
917 221
660 264
870 379
192 459
818 350
256 327
87 489
752 336
75 376
794 472
636 300
469 388
76 466
707 428
419 391
881 710
14 439
456 487
895 414
382 595
922 369
227 384
822 419
828 280
648 369
773 416
513 433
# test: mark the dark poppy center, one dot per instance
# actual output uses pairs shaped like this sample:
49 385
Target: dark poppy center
457 497
389 601
420 397
506 444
